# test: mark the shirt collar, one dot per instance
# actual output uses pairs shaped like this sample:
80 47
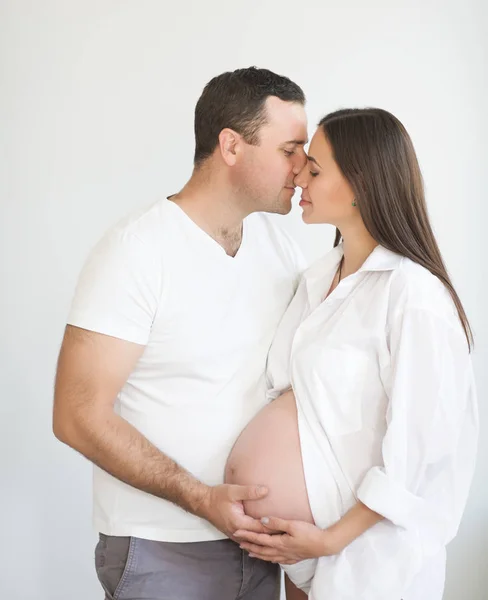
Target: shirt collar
319 276
381 259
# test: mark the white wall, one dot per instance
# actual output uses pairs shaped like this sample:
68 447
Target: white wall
96 105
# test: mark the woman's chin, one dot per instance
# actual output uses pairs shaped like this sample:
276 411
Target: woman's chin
308 218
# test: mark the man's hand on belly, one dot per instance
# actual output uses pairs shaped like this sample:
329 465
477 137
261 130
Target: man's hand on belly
223 507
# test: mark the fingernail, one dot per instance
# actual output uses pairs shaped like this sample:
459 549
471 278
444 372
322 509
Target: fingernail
261 489
265 520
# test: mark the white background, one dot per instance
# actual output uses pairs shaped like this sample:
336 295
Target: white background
96 109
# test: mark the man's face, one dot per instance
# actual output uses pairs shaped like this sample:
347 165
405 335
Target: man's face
265 173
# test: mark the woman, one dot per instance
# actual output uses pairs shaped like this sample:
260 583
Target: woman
373 359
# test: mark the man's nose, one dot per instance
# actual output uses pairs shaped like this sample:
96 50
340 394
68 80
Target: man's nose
299 163
301 178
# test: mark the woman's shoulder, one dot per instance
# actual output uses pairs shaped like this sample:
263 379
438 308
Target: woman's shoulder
321 266
414 287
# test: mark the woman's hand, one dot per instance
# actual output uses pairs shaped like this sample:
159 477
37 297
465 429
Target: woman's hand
288 541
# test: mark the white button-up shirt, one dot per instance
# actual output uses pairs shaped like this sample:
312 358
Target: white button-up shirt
387 415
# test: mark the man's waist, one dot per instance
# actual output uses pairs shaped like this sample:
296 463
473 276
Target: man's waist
120 509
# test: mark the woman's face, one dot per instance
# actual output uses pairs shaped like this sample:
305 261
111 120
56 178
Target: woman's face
327 195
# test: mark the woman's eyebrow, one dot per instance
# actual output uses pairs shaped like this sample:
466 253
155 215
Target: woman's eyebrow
314 160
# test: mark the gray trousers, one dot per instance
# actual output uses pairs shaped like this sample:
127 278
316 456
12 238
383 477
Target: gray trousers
131 568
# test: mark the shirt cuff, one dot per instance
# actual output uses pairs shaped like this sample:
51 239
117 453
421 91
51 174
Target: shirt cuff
103 324
389 498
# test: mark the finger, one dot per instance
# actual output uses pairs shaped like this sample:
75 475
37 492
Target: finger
272 531
272 559
256 549
247 492
261 539
277 561
246 523
276 524
288 562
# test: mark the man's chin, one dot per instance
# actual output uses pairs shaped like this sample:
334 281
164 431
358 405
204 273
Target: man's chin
284 210
282 207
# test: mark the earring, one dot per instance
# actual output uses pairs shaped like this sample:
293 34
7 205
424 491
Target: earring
354 203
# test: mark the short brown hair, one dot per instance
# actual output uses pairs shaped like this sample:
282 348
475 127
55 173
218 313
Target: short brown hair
237 100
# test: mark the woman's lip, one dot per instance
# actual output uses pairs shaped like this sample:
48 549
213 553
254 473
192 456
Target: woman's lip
303 201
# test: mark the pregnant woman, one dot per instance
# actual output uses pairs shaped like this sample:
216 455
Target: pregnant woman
368 447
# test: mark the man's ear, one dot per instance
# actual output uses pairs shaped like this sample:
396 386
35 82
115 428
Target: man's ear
229 141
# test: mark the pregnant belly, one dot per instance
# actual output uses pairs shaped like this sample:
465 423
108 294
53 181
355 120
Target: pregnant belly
268 453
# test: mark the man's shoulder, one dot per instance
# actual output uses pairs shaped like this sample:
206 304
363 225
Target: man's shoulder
266 221
272 234
276 232
148 224
139 239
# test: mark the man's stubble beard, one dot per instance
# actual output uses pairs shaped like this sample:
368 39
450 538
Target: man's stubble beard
277 205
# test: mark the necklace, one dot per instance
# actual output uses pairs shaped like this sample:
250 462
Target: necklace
340 269
339 273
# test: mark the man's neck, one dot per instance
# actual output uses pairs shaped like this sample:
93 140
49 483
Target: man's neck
214 210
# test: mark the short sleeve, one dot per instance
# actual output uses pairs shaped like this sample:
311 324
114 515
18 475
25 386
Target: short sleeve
119 289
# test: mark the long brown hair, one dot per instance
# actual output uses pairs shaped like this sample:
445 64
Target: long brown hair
376 155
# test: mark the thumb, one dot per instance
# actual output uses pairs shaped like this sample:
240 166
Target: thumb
276 524
248 492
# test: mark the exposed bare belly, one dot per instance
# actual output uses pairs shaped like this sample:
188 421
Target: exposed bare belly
268 453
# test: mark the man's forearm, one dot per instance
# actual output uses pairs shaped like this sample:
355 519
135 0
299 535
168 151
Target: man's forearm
117 447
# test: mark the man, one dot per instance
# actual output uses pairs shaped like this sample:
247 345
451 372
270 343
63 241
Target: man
162 362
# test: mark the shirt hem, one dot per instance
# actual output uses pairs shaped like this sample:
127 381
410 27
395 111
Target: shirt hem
157 534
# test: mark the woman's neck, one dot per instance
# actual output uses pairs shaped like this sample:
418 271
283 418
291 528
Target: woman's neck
358 245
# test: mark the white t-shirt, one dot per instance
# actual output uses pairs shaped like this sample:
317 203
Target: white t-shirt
206 321
387 414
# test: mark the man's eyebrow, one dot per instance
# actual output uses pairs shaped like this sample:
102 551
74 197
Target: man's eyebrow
296 142
314 160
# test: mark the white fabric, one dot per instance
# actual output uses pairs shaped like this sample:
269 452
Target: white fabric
302 573
387 415
206 321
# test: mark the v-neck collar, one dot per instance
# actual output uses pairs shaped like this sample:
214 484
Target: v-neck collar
208 239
